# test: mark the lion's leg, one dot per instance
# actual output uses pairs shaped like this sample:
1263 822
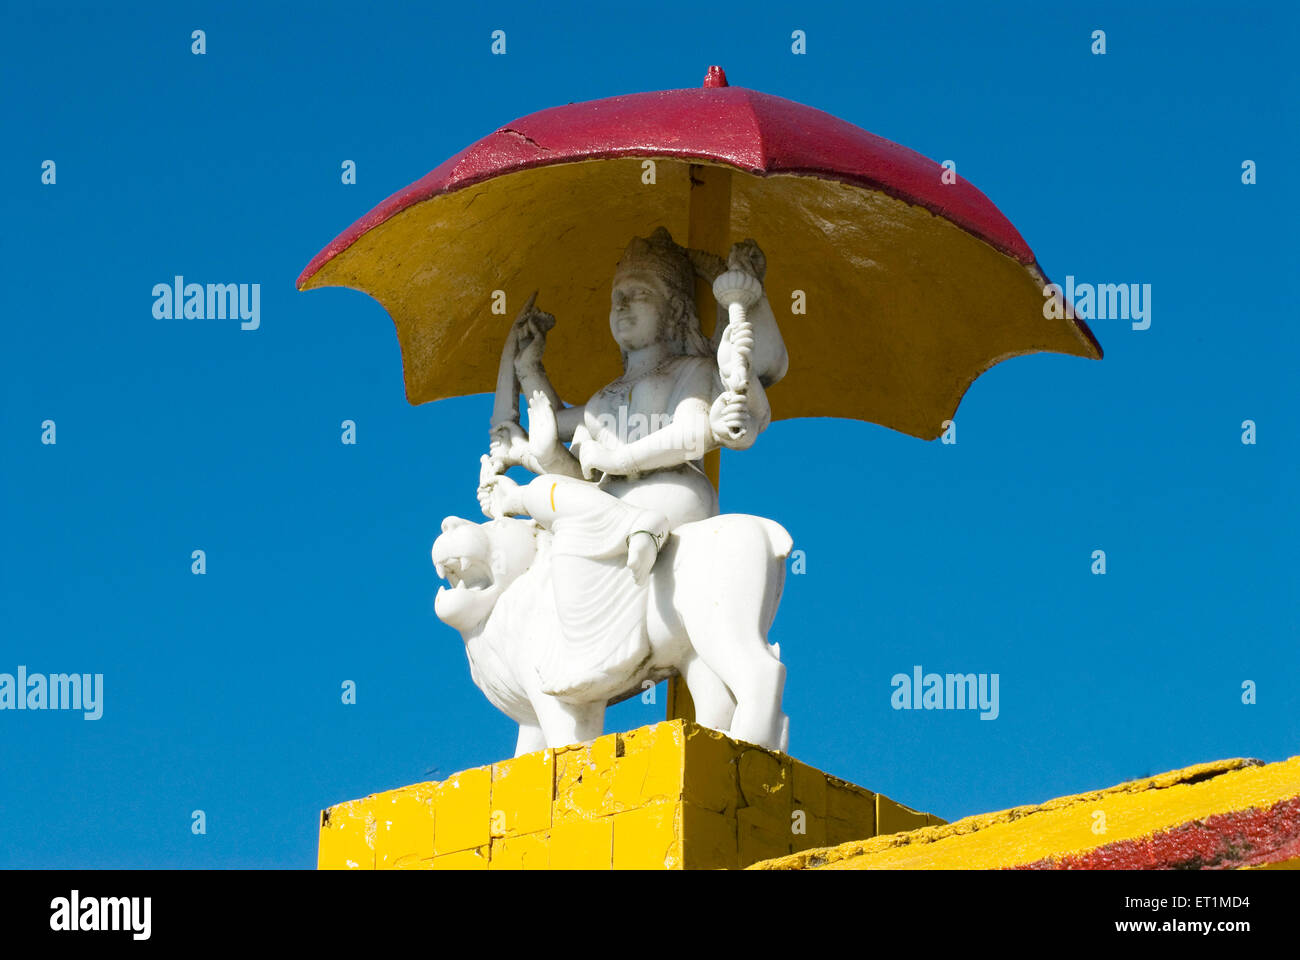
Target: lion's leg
530 738
758 684
728 640
727 621
566 723
713 704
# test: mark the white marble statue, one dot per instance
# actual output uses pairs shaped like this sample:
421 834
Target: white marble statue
625 571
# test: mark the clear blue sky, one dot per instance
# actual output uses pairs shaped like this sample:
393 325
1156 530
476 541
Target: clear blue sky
222 692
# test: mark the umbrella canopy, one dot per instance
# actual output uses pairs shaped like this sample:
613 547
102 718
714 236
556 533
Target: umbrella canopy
913 287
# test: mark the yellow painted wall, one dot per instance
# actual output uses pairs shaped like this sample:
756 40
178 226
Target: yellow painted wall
670 796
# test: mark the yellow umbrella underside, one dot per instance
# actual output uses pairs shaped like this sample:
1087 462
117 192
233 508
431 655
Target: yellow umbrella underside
904 309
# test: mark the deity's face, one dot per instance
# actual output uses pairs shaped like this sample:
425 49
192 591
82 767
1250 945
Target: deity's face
638 311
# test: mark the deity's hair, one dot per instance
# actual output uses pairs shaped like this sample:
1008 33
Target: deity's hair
674 267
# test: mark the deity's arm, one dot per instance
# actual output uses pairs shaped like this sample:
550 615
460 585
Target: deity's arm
738 419
559 460
540 449
562 463
686 438
533 378
568 419
769 361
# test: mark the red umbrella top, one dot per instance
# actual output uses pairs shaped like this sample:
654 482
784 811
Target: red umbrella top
920 284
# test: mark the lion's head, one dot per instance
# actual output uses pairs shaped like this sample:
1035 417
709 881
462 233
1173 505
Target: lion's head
479 561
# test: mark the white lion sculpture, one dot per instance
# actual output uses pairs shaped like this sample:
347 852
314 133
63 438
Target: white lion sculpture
713 592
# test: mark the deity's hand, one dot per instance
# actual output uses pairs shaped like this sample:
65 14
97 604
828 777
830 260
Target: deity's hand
530 334
747 256
499 496
642 549
593 457
543 431
732 343
729 417
508 443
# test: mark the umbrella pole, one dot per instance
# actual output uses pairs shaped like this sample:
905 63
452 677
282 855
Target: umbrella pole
709 229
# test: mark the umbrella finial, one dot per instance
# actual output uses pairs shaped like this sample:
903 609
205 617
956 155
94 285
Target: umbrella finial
716 77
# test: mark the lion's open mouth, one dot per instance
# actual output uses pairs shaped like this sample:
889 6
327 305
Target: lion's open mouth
465 573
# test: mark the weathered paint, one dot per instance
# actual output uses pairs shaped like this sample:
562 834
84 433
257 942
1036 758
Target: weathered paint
672 796
1229 813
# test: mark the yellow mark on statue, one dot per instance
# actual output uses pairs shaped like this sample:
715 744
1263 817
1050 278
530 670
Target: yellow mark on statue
553 486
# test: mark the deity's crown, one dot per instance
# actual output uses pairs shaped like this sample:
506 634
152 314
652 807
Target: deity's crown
662 258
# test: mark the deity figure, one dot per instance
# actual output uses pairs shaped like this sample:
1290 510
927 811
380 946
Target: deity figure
631 477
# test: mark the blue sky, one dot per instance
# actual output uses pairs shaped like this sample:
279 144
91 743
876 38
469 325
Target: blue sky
222 691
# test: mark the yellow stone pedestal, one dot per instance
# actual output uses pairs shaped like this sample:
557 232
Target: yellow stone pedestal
672 796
